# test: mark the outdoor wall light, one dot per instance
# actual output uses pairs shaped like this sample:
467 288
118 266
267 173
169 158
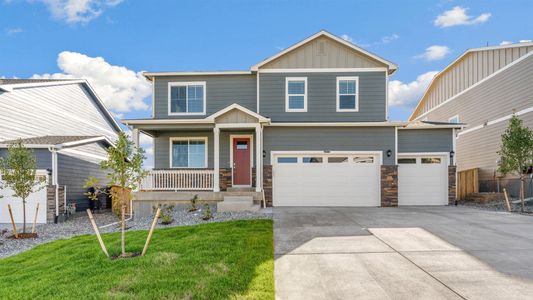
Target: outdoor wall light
452 153
389 153
264 154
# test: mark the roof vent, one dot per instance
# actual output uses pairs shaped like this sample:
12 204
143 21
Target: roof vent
321 49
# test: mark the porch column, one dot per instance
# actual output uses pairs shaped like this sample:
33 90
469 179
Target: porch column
258 158
216 158
135 137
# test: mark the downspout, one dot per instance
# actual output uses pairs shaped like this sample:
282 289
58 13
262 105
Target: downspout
55 180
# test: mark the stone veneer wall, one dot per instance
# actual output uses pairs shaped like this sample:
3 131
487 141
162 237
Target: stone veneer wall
452 171
225 178
267 184
51 202
389 185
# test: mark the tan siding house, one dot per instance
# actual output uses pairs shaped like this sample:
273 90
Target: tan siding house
482 89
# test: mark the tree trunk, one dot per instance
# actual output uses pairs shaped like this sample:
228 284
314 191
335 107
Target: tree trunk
123 234
522 190
24 215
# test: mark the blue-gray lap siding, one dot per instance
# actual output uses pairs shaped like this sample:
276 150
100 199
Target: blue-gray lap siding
221 91
43 157
329 139
425 140
321 97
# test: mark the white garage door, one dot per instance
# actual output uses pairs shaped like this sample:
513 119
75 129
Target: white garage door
16 205
422 180
326 180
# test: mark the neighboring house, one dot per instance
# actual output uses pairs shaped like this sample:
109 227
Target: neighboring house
308 126
64 123
482 88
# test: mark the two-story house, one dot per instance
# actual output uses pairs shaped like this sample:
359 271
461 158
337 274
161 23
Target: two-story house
308 127
483 88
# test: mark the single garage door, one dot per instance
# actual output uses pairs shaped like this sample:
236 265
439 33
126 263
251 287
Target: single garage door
422 180
326 180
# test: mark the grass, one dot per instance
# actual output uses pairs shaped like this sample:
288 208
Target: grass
228 260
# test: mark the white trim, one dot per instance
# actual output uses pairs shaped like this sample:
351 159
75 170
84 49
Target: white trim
238 107
496 121
257 92
12 86
322 70
426 154
166 121
151 75
348 78
237 125
340 124
188 138
82 153
251 137
454 146
326 153
216 159
287 80
395 145
85 141
454 117
386 96
465 90
153 98
187 84
391 65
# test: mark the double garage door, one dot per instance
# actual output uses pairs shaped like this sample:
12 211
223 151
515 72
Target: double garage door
353 179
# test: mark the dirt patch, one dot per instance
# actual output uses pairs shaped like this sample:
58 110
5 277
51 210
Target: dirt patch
24 236
127 255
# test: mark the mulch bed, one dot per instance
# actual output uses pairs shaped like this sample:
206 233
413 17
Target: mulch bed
27 235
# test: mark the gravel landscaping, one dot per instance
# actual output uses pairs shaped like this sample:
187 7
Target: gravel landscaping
500 206
80 225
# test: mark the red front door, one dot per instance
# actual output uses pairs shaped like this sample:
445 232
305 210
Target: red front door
241 161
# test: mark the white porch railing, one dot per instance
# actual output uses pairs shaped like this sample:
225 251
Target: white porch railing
178 180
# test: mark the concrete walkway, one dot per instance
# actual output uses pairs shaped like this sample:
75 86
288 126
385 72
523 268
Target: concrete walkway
402 253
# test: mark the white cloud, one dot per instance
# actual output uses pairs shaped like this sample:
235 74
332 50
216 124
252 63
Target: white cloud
434 52
524 41
77 11
389 38
13 31
506 43
347 38
457 16
121 89
407 94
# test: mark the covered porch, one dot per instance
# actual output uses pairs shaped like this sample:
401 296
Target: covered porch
220 153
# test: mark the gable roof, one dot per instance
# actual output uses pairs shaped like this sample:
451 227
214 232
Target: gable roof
464 56
391 66
58 141
9 85
237 107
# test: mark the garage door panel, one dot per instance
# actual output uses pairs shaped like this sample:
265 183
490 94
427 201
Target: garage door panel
325 184
423 183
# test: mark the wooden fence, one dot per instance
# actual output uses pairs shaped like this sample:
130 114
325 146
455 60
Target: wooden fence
467 183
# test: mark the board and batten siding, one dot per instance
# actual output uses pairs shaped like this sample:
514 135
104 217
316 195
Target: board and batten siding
329 139
43 157
425 140
472 68
221 91
162 146
323 52
51 110
322 97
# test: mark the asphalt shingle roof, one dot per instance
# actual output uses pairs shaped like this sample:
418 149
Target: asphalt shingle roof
20 81
50 139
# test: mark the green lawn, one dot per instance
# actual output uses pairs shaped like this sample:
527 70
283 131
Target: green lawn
228 260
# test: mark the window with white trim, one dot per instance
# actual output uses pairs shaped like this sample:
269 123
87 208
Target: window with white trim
454 119
186 98
296 94
347 94
188 152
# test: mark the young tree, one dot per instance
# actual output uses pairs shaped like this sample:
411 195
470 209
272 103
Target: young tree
124 165
516 151
18 173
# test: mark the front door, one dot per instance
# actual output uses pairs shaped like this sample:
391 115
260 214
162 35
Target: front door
241 161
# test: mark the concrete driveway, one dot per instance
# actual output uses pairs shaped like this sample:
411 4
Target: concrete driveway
402 253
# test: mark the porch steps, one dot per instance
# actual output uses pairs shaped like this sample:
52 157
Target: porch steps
241 189
237 203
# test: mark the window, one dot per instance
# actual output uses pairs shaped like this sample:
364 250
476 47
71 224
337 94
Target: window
454 119
347 94
337 160
188 152
431 160
406 160
363 159
312 160
296 94
242 145
287 160
186 98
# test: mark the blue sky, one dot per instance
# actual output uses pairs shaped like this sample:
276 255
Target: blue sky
64 38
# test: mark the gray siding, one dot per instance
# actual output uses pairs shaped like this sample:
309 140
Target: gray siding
221 91
43 157
162 147
321 97
425 140
330 138
507 92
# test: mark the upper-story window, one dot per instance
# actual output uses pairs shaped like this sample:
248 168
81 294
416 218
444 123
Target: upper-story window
186 98
454 119
296 94
347 93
